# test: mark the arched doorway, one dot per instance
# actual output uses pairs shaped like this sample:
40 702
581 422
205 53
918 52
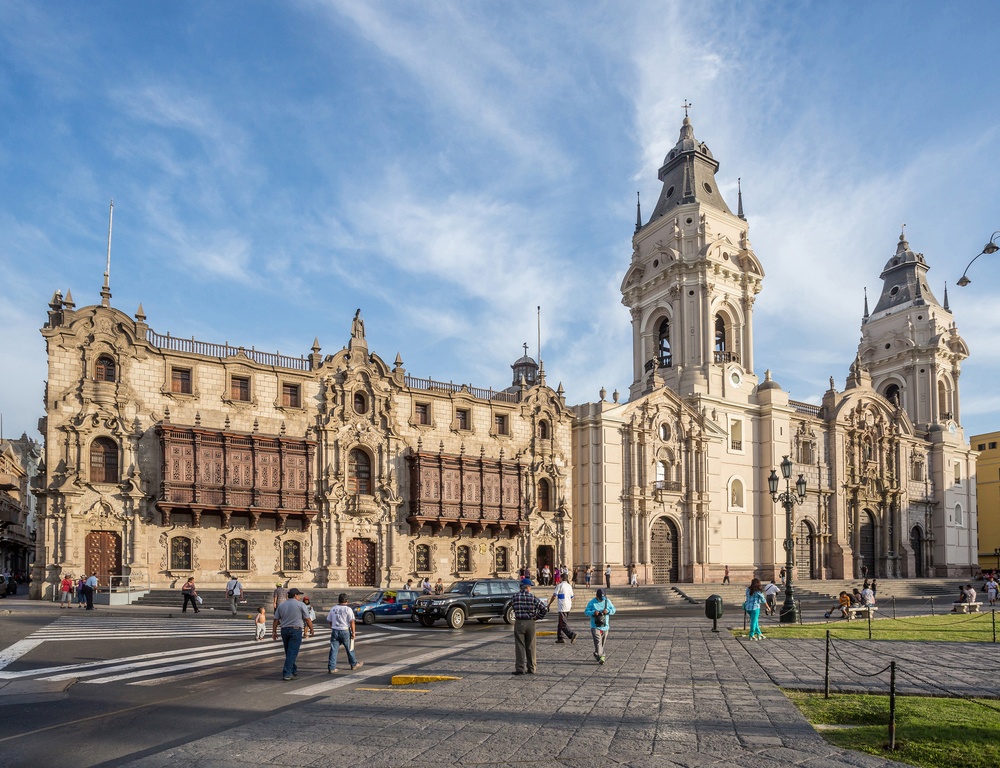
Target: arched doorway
917 545
867 549
805 551
664 550
361 565
544 555
104 555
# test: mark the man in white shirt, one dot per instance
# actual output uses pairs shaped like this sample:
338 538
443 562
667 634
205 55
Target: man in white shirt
341 621
89 588
770 591
233 591
563 593
867 596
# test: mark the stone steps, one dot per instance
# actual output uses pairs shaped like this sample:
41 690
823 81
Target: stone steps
830 589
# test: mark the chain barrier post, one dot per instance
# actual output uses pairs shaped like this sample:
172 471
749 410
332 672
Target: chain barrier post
894 606
994 612
826 672
798 610
932 605
869 612
892 706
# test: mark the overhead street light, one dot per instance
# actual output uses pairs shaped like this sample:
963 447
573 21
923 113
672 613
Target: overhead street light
990 247
788 499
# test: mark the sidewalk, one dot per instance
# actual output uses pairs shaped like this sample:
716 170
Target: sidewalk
671 694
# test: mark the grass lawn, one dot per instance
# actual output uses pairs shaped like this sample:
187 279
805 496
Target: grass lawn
935 733
949 627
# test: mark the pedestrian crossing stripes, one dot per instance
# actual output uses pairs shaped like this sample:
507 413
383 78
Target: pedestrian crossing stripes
161 666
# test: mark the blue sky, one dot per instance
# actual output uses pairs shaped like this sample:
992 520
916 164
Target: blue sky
448 167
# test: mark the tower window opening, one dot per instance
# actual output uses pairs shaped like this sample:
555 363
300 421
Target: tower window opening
663 344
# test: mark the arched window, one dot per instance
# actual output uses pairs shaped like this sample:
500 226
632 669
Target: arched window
720 334
661 473
959 515
891 393
239 555
423 557
917 470
663 344
503 562
180 553
104 461
944 400
360 470
736 494
544 494
360 402
543 430
464 559
105 369
291 555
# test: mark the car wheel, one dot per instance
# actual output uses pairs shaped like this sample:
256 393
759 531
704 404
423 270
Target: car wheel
483 621
508 615
456 618
427 621
368 618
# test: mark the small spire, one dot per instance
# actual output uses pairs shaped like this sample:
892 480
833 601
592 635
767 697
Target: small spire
739 204
398 363
106 288
865 318
946 307
316 347
638 213
68 302
140 314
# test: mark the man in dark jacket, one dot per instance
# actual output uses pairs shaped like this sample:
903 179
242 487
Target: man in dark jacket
527 610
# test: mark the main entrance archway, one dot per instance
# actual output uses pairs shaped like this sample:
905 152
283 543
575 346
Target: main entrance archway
544 555
917 545
361 564
664 550
867 550
805 549
104 555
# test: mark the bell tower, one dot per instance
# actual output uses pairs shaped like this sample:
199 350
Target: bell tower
692 283
910 344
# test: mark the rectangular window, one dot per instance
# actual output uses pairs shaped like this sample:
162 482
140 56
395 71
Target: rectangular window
180 381
240 388
958 473
736 435
422 411
981 447
993 446
462 418
501 423
291 396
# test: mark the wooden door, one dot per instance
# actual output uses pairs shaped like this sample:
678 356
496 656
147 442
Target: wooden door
104 555
361 565
664 550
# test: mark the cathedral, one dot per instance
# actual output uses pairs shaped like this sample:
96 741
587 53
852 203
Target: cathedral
168 457
674 482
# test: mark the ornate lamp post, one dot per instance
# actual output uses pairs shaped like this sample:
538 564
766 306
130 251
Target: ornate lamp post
990 247
996 552
788 499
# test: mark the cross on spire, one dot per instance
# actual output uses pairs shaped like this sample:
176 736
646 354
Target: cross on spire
687 105
525 345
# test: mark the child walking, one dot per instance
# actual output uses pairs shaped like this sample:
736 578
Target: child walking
260 622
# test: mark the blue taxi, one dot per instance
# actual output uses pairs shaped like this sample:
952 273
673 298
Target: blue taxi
386 605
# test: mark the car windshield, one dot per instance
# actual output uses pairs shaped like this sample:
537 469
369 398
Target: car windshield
372 597
461 588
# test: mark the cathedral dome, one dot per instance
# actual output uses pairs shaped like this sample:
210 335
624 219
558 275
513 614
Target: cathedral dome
768 382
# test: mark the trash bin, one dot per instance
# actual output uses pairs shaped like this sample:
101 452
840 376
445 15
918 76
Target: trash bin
713 610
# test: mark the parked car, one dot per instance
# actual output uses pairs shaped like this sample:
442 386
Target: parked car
479 599
7 585
386 605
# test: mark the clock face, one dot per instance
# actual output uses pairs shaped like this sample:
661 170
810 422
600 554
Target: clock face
735 379
951 428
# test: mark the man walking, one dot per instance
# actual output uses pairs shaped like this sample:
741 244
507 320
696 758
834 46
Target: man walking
600 609
607 577
725 576
234 590
341 621
563 594
527 610
292 617
89 588
278 596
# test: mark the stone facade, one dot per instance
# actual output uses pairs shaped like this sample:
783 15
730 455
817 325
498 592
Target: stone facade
18 469
168 458
674 482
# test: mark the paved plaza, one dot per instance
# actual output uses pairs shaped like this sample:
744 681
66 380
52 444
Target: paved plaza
672 693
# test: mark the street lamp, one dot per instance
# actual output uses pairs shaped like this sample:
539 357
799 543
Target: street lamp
788 499
996 552
990 247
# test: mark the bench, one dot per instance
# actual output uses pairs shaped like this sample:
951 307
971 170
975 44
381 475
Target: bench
854 610
965 607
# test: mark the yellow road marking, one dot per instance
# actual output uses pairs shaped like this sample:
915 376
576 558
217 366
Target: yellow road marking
412 679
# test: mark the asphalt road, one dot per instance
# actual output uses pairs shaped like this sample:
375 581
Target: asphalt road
93 689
